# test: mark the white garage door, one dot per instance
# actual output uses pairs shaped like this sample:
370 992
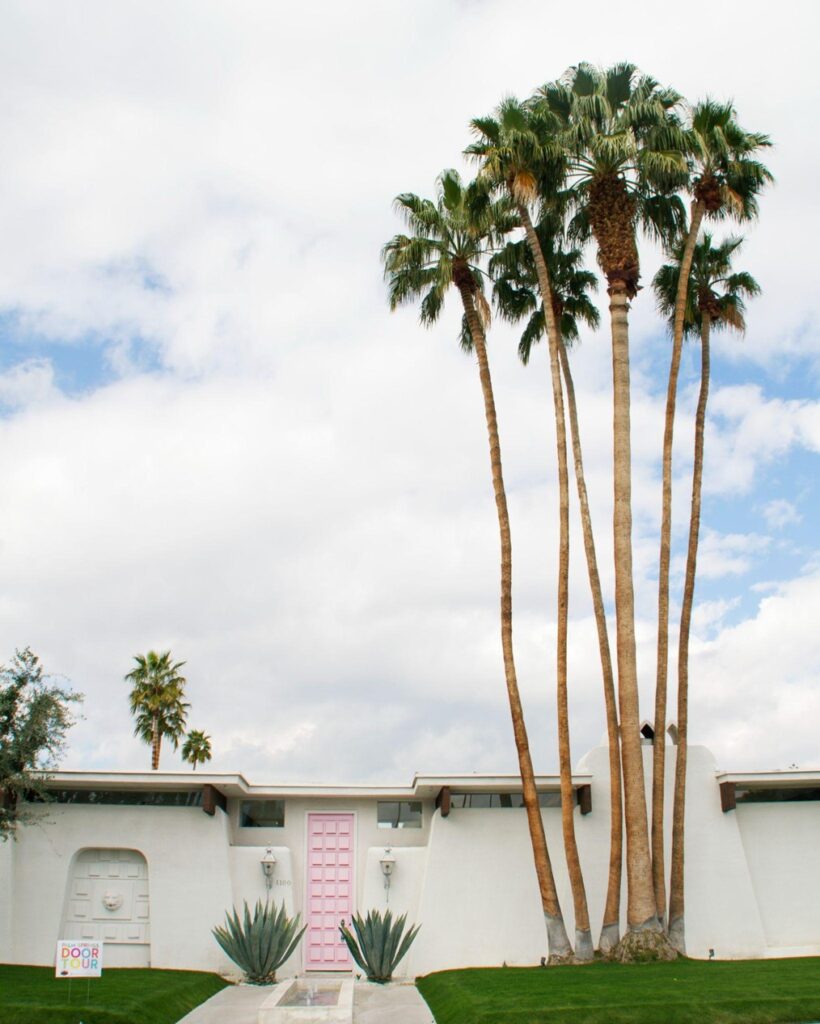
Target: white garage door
107 901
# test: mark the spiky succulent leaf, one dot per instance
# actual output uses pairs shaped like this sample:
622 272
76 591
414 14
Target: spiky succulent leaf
379 943
261 943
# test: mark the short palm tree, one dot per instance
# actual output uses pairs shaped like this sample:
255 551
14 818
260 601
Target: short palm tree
448 241
714 300
726 180
516 153
625 150
157 701
197 748
515 296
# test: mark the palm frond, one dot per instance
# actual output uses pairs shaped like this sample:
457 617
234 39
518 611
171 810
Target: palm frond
712 285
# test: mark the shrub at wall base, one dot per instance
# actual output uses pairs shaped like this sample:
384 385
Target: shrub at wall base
378 946
261 943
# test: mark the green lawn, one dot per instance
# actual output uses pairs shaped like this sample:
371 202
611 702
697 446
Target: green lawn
684 992
32 995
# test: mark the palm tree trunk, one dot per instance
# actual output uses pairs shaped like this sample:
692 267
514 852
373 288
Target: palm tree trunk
676 891
583 934
611 929
659 750
558 942
156 739
641 910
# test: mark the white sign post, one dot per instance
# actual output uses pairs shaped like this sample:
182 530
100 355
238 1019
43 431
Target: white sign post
77 959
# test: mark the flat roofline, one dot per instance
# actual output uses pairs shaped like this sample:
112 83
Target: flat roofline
234 784
761 780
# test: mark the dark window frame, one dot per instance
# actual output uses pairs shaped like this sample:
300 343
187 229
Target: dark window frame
245 820
415 809
126 797
477 800
776 794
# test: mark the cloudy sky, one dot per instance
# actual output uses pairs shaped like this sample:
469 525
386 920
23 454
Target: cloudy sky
216 439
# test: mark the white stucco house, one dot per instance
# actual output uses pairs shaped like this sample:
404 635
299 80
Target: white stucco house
148 863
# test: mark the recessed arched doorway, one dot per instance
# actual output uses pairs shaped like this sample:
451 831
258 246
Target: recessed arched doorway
107 901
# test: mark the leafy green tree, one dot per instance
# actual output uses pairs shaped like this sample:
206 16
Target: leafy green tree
157 701
197 748
626 152
448 242
517 155
515 294
714 300
726 180
35 716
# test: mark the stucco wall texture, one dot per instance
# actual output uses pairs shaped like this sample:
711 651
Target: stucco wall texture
468 879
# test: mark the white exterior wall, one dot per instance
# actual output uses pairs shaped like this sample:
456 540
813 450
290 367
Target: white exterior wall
782 844
248 882
721 910
479 904
188 875
468 879
406 883
6 890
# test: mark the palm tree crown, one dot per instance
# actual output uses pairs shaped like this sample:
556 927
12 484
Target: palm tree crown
713 287
519 148
157 700
197 748
726 176
515 290
626 156
449 240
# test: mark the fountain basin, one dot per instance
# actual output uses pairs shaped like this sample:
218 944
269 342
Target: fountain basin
309 1001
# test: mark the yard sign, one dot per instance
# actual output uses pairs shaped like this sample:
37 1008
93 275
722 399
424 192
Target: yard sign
78 959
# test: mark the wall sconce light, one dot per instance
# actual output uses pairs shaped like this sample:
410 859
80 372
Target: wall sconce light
388 863
268 865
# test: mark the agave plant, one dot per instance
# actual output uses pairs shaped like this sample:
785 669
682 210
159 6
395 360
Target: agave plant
378 946
262 943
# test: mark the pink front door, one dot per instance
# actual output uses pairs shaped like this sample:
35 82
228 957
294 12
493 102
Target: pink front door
329 890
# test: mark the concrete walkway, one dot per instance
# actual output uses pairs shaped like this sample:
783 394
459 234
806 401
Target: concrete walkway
236 1004
397 1003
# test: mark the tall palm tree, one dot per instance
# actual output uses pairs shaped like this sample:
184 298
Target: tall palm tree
447 243
516 155
157 700
714 299
726 181
625 148
197 748
515 295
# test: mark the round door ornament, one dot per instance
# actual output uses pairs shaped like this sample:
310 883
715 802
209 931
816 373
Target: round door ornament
112 900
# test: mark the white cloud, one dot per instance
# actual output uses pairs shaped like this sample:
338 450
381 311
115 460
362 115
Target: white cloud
755 683
725 554
296 497
749 430
710 614
28 383
779 513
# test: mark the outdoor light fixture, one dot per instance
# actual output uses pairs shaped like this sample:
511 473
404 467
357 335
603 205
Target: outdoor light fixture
268 864
388 863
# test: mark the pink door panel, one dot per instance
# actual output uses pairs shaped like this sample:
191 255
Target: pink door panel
329 890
